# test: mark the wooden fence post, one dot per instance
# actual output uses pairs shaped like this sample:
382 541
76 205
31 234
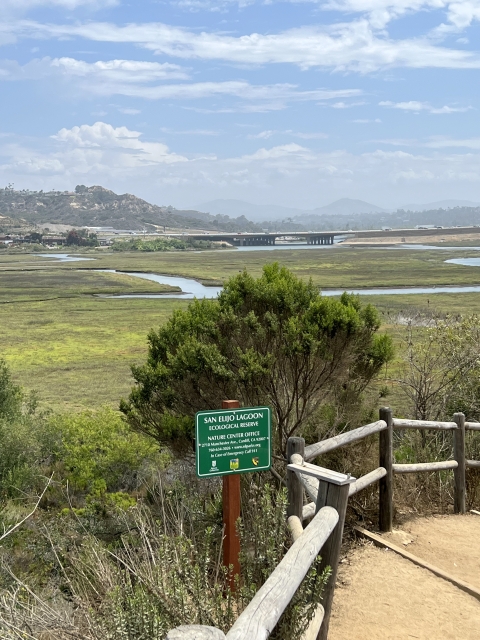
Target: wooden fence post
459 502
336 496
385 445
231 513
294 486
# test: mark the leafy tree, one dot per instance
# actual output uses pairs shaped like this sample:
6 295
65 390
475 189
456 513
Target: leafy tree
273 340
81 238
36 237
73 238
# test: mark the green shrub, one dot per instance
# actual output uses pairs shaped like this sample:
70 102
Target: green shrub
96 452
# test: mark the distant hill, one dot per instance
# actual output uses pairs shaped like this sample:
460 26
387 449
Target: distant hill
260 213
256 212
441 204
347 207
99 207
10 225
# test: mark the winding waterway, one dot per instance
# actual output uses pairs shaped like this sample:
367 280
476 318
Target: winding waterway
193 289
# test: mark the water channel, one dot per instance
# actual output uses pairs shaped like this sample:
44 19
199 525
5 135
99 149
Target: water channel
193 289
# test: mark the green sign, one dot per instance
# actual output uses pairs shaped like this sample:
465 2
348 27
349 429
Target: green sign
233 441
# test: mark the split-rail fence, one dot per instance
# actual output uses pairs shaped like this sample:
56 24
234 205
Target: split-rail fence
328 492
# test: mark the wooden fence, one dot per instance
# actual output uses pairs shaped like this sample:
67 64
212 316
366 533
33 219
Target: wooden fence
329 492
384 474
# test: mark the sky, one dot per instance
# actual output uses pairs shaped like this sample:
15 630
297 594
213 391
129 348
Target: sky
294 102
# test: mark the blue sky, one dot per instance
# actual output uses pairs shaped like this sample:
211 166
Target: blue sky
295 103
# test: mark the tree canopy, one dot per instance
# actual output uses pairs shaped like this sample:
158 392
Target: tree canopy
274 341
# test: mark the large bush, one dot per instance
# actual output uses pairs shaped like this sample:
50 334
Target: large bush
274 340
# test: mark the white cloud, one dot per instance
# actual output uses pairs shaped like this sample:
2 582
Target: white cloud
119 71
434 142
103 72
416 106
129 112
281 151
130 150
96 150
288 174
265 135
20 7
236 88
445 143
139 79
380 12
347 105
354 46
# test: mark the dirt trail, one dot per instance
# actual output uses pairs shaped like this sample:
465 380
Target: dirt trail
381 596
451 543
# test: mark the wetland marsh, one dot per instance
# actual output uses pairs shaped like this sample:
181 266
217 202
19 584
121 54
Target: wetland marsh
63 338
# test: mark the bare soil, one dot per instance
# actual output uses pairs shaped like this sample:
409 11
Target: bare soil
437 238
381 596
451 543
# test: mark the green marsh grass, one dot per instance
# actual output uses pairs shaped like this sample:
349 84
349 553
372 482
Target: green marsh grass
76 349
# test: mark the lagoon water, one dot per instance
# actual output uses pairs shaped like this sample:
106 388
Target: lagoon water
190 288
466 262
62 257
193 289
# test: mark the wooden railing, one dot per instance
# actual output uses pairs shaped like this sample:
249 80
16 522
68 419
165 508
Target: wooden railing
323 534
386 470
329 492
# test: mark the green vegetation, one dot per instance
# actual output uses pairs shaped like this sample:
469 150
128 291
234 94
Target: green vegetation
161 244
96 562
269 341
76 350
33 285
125 542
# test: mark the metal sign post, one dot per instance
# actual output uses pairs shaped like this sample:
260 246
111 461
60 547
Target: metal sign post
230 441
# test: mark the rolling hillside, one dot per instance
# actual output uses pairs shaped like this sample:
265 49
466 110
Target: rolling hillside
99 207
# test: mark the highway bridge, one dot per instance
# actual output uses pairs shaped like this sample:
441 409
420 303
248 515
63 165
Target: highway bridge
266 239
318 237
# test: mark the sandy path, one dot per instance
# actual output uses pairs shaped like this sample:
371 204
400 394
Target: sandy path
449 542
381 596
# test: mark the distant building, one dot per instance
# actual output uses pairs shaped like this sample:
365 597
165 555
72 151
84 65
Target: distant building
54 240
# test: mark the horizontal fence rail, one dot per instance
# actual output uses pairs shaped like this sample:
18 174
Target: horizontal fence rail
387 468
311 488
423 424
314 450
472 426
425 466
366 480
